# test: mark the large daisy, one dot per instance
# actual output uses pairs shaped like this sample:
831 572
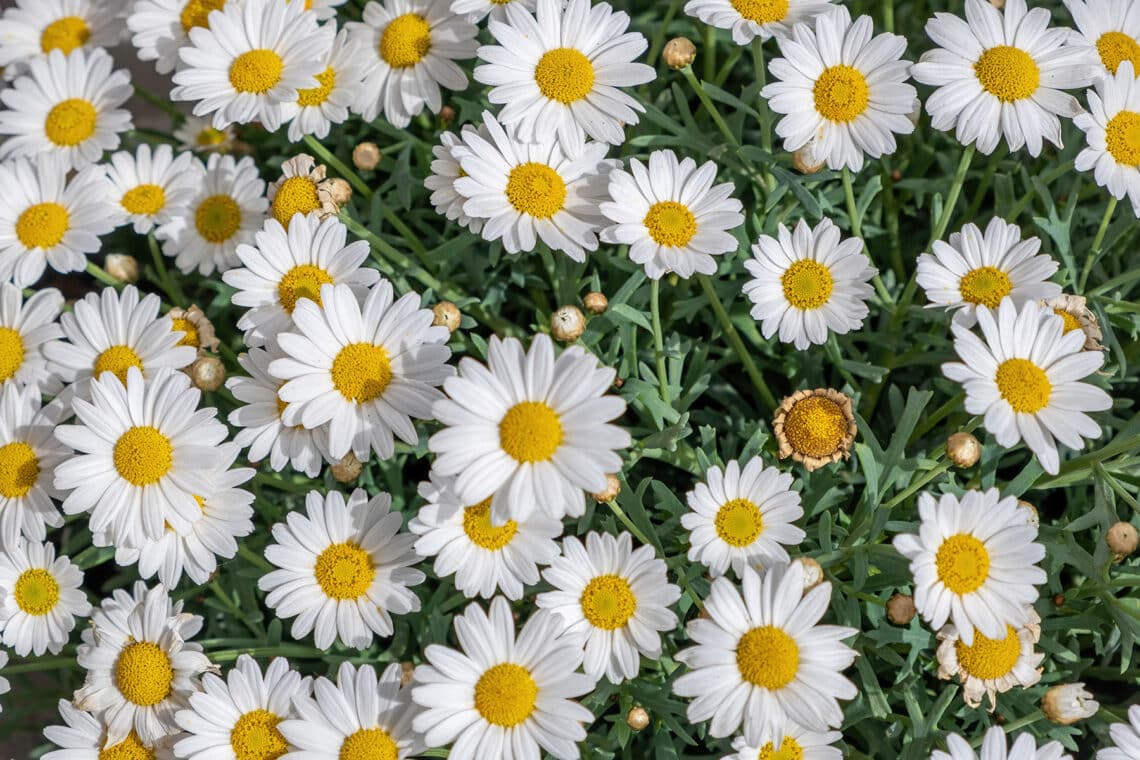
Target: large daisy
152 186
25 328
995 746
340 87
1112 27
749 19
84 737
40 598
989 667
33 28
1125 738
29 455
1112 131
160 28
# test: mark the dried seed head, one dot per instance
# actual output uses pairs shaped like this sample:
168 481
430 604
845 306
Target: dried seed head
335 191
123 267
900 609
567 323
679 52
1122 539
446 314
613 488
366 155
347 469
208 373
596 303
813 572
637 718
963 449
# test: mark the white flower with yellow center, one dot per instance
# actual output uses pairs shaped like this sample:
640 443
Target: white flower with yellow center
445 170
1112 134
1125 738
1076 314
503 697
612 598
484 558
974 562
995 746
1002 73
529 430
411 50
199 136
808 283
140 666
143 455
742 517
1025 378
844 92
340 87
251 61
989 667
365 369
238 718
152 186
300 189
797 744
33 28
40 597
345 569
560 72
477 10
160 27
749 19
25 328
979 270
48 219
671 215
84 737
761 658
360 717
815 427
1112 28
227 211
29 454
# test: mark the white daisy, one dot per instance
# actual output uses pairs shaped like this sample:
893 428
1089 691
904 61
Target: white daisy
40 597
742 517
477 10
445 170
160 27
559 72
199 136
808 283
974 562
227 211
300 189
529 430
29 454
47 218
412 46
144 453
85 738
797 744
250 62
671 215
1002 73
1125 738
33 28
844 92
1025 378
282 267
996 747
989 667
360 717
485 559
151 187
761 658
340 88
1111 27
25 328
975 270
345 569
502 696
1112 131
749 19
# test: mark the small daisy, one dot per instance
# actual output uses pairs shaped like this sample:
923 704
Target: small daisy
152 186
1125 738
1112 131
250 62
559 72
808 283
671 215
1025 378
143 455
40 597
161 27
298 191
974 562
477 10
529 430
762 659
749 19
524 192
29 454
797 744
503 697
85 738
48 219
815 428
742 517
345 569
227 211
1112 27
996 747
360 717
445 170
35 27
844 92
485 559
1001 73
199 136
1076 314
989 667
412 46
196 329
975 270
340 88
25 328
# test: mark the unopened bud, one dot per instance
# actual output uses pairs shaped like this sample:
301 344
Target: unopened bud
596 303
679 52
1030 511
613 488
567 323
1068 703
813 572
637 718
347 469
963 449
805 163
900 609
122 267
447 114
366 155
407 670
208 373
1122 539
896 175
446 314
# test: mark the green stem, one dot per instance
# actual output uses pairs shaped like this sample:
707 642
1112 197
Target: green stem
254 559
282 650
101 274
168 284
658 342
662 29
931 474
709 52
1098 241
39 664
857 230
233 608
889 16
737 344
160 103
706 101
623 518
761 72
892 219
326 155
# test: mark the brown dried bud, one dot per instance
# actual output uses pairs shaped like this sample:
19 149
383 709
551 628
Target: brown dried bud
613 488
637 718
1031 516
1058 600
336 190
407 669
896 176
446 314
447 114
805 163
618 382
208 373
567 323
366 155
679 52
122 267
1122 539
596 303
813 572
963 449
1068 703
900 609
347 469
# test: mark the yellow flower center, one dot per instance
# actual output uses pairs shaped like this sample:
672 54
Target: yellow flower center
815 426
146 199
297 195
144 674
739 522
477 526
985 286
256 71
361 371
963 563
197 13
344 571
536 189
65 34
302 281
130 748
36 592
1024 385
841 93
70 122
210 136
117 360
42 225
608 602
989 658
807 284
670 223
1007 73
761 11
505 695
767 657
189 332
255 737
565 75
281 406
143 455
530 431
789 749
19 469
1117 47
11 353
317 95
405 41
1071 322
218 218
1122 138
369 744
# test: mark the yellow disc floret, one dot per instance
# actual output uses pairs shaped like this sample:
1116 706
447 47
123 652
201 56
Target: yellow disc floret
1008 73
608 602
530 431
116 360
477 526
217 218
989 658
565 75
536 189
143 455
65 34
841 94
369 744
256 71
738 522
1117 47
42 225
11 353
505 695
807 284
143 674
36 592
255 737
767 657
344 571
816 426
19 469
297 195
145 199
670 223
985 286
963 563
405 41
70 122
1024 385
361 371
302 281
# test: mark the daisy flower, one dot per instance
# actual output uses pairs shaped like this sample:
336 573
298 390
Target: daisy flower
762 659
1112 133
1025 378
445 170
238 717
797 743
199 136
989 667
1111 27
250 62
560 72
484 558
298 191
227 211
40 597
412 48
477 10
48 219
340 88
33 28
976 269
29 454
345 569
530 431
143 455
1002 73
749 19
1125 738
196 329
808 283
996 747
974 562
1075 313
742 517
502 696
671 215
84 737
524 192
151 186
360 716
815 428
161 27
25 328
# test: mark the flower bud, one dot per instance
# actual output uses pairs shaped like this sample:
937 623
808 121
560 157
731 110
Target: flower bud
122 267
596 303
900 609
366 156
1030 511
805 163
447 114
963 449
208 373
1122 539
679 52
347 469
446 315
813 572
613 488
1067 703
567 324
407 670
637 718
